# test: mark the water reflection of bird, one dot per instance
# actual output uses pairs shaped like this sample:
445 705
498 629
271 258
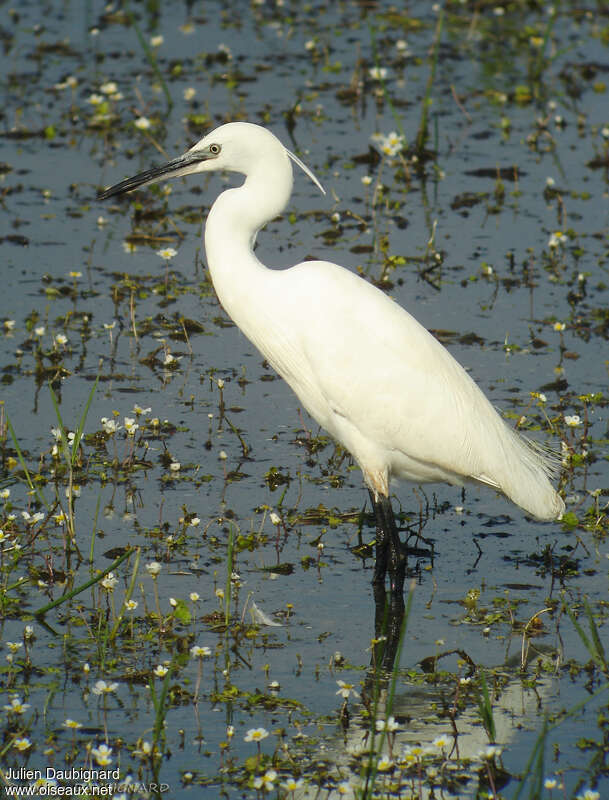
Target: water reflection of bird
363 367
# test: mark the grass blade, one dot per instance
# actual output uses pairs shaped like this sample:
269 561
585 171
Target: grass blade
64 598
28 478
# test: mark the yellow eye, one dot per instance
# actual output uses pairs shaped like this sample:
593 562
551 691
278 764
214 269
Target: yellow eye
214 149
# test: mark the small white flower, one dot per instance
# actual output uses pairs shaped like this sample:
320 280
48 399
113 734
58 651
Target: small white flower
198 651
255 735
22 743
102 755
142 123
160 671
109 88
291 784
556 239
194 597
101 687
189 93
16 706
167 253
389 725
384 763
266 781
153 568
559 326
346 689
377 73
573 421
110 582
110 426
175 466
156 41
131 426
366 180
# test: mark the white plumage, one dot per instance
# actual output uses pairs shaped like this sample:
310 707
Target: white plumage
362 366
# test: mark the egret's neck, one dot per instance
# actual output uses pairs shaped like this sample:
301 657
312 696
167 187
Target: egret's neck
237 216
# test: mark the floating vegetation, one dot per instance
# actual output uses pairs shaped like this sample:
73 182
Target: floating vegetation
184 560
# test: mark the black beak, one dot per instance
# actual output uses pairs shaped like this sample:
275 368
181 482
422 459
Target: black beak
183 165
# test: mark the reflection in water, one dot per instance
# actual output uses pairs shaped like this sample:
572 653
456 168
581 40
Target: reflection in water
424 739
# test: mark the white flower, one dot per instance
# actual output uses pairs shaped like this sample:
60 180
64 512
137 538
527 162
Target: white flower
189 93
366 180
131 426
167 253
389 725
559 326
346 689
573 421
175 466
102 755
61 339
266 781
160 671
291 784
16 706
109 88
194 597
110 581
156 41
490 751
255 735
101 687
131 605
110 426
377 73
153 568
71 724
384 763
198 651
556 239
588 795
142 123
22 743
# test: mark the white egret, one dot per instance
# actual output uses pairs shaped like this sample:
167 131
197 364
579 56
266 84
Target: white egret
361 365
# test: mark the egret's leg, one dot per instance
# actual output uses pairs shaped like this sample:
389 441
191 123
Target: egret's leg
382 549
389 555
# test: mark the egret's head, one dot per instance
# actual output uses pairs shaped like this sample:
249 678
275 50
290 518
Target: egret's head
236 147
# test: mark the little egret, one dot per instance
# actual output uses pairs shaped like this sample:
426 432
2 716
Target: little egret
361 365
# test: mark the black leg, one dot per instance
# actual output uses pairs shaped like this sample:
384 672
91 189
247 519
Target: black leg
389 555
382 545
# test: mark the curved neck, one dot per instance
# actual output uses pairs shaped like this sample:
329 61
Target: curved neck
230 232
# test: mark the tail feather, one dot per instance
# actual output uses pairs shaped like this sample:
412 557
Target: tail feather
522 471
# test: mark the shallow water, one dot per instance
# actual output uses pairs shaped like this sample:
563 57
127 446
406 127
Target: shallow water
493 294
